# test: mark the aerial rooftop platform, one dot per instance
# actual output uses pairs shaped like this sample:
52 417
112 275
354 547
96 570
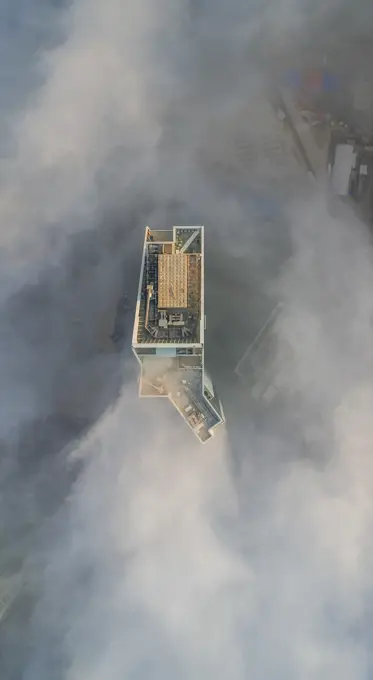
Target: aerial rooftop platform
168 334
170 300
186 386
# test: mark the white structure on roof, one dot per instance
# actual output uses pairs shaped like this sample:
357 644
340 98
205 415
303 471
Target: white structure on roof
344 162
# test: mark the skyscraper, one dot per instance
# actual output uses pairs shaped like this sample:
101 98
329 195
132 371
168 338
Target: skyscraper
169 328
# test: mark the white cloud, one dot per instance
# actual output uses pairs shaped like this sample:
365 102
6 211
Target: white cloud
164 562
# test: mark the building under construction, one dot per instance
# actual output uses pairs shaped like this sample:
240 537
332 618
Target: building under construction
169 327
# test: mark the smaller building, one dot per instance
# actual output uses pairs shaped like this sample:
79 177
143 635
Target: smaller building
341 168
350 168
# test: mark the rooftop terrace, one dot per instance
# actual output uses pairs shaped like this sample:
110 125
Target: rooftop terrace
170 299
168 336
182 380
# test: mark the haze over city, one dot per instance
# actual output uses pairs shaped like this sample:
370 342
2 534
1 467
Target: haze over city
135 552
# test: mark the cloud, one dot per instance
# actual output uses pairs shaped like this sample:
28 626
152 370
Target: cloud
247 558
156 588
88 103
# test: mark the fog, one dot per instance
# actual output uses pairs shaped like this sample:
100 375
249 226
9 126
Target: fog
143 554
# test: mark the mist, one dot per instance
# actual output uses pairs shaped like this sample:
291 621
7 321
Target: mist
142 554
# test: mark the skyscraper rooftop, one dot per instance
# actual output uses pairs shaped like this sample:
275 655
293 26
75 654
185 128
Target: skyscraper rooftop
169 327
